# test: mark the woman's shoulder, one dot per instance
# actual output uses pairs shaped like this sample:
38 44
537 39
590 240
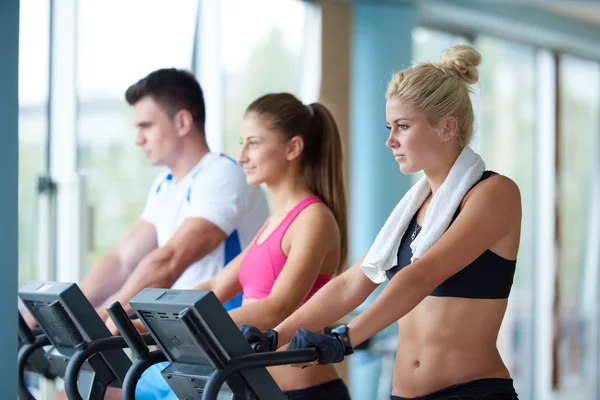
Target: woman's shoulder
317 212
496 189
316 219
498 182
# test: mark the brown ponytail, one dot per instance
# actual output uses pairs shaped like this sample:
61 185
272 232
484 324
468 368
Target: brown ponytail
326 175
322 157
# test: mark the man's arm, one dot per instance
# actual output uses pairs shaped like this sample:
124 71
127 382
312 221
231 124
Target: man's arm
225 286
195 238
109 274
215 206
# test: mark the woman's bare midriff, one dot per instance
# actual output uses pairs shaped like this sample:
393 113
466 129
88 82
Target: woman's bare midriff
293 378
445 341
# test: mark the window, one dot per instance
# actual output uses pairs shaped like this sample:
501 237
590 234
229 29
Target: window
261 53
429 44
143 36
507 135
577 277
33 127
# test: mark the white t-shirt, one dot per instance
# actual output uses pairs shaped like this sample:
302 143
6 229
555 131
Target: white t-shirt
215 190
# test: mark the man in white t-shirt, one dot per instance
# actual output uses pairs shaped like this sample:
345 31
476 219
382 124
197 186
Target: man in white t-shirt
199 214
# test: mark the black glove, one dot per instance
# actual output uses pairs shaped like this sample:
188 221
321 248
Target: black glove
260 341
330 347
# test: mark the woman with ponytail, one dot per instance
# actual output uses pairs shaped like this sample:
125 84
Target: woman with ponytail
295 150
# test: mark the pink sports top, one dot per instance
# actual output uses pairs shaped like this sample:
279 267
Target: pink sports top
263 262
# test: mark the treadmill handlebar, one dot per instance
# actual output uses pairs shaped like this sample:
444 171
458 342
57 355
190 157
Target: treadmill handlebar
23 356
25 333
256 360
96 346
67 324
137 369
130 334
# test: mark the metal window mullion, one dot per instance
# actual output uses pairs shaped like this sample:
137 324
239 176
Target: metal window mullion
593 238
70 247
545 223
208 69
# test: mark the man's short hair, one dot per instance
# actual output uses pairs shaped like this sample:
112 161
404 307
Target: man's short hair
174 90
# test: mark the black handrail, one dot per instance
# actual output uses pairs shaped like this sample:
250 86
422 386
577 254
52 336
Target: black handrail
136 370
80 357
256 360
25 333
24 353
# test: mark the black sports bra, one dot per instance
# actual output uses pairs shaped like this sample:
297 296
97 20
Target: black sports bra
488 277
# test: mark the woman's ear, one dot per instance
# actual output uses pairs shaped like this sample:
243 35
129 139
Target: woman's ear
449 129
294 148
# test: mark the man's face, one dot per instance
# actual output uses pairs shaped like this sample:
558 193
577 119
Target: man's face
156 131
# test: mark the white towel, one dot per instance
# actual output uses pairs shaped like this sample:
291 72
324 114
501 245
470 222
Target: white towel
382 255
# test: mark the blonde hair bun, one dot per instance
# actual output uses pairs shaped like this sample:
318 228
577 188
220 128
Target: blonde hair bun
462 61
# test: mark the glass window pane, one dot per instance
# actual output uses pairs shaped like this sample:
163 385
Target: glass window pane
578 133
121 41
507 135
33 126
116 172
143 36
428 44
261 53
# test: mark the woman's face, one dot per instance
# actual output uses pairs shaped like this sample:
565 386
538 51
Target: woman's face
264 151
415 144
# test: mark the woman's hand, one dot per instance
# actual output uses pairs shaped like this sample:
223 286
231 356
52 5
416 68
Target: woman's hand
260 341
330 347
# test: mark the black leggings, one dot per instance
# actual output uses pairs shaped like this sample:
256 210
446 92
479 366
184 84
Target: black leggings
332 390
481 389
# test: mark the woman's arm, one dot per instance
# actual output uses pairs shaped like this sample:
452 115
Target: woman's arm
313 235
488 215
331 303
225 285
